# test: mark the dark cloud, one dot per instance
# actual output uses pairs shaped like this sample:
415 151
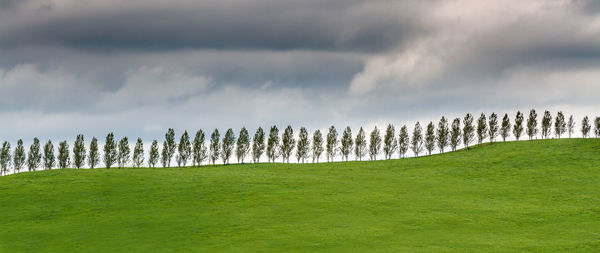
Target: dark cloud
369 26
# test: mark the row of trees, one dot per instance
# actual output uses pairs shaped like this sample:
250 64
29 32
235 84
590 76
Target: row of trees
330 145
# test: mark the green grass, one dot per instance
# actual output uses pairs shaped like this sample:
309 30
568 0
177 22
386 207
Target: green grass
528 196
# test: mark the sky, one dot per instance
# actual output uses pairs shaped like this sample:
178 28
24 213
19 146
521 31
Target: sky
137 68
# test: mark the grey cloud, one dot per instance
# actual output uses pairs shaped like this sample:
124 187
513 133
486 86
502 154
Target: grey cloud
314 25
137 68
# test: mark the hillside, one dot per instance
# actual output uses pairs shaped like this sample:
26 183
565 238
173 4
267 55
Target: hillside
514 196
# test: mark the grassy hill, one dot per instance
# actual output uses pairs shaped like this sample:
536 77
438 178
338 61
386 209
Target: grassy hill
517 196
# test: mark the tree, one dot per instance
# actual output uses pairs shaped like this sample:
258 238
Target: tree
518 127
227 146
184 149
390 144
546 124
215 138
403 141
19 156
532 129
199 149
94 156
481 129
170 146
303 149
416 144
287 143
64 159
430 138
49 158
347 143
242 147
258 145
493 129
560 126
505 128
164 154
79 152
110 151
273 151
332 143
360 147
5 157
138 153
34 157
317 145
374 144
153 154
585 127
455 134
442 134
468 130
124 151
597 127
571 126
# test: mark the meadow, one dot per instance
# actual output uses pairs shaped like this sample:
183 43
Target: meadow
531 196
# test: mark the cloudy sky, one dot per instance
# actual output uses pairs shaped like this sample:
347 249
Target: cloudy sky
139 67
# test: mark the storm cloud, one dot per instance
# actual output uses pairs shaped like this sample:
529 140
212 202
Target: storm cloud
139 67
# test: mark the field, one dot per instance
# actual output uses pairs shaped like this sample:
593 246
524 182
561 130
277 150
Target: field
532 196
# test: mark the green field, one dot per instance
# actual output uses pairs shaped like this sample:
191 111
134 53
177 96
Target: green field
517 196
